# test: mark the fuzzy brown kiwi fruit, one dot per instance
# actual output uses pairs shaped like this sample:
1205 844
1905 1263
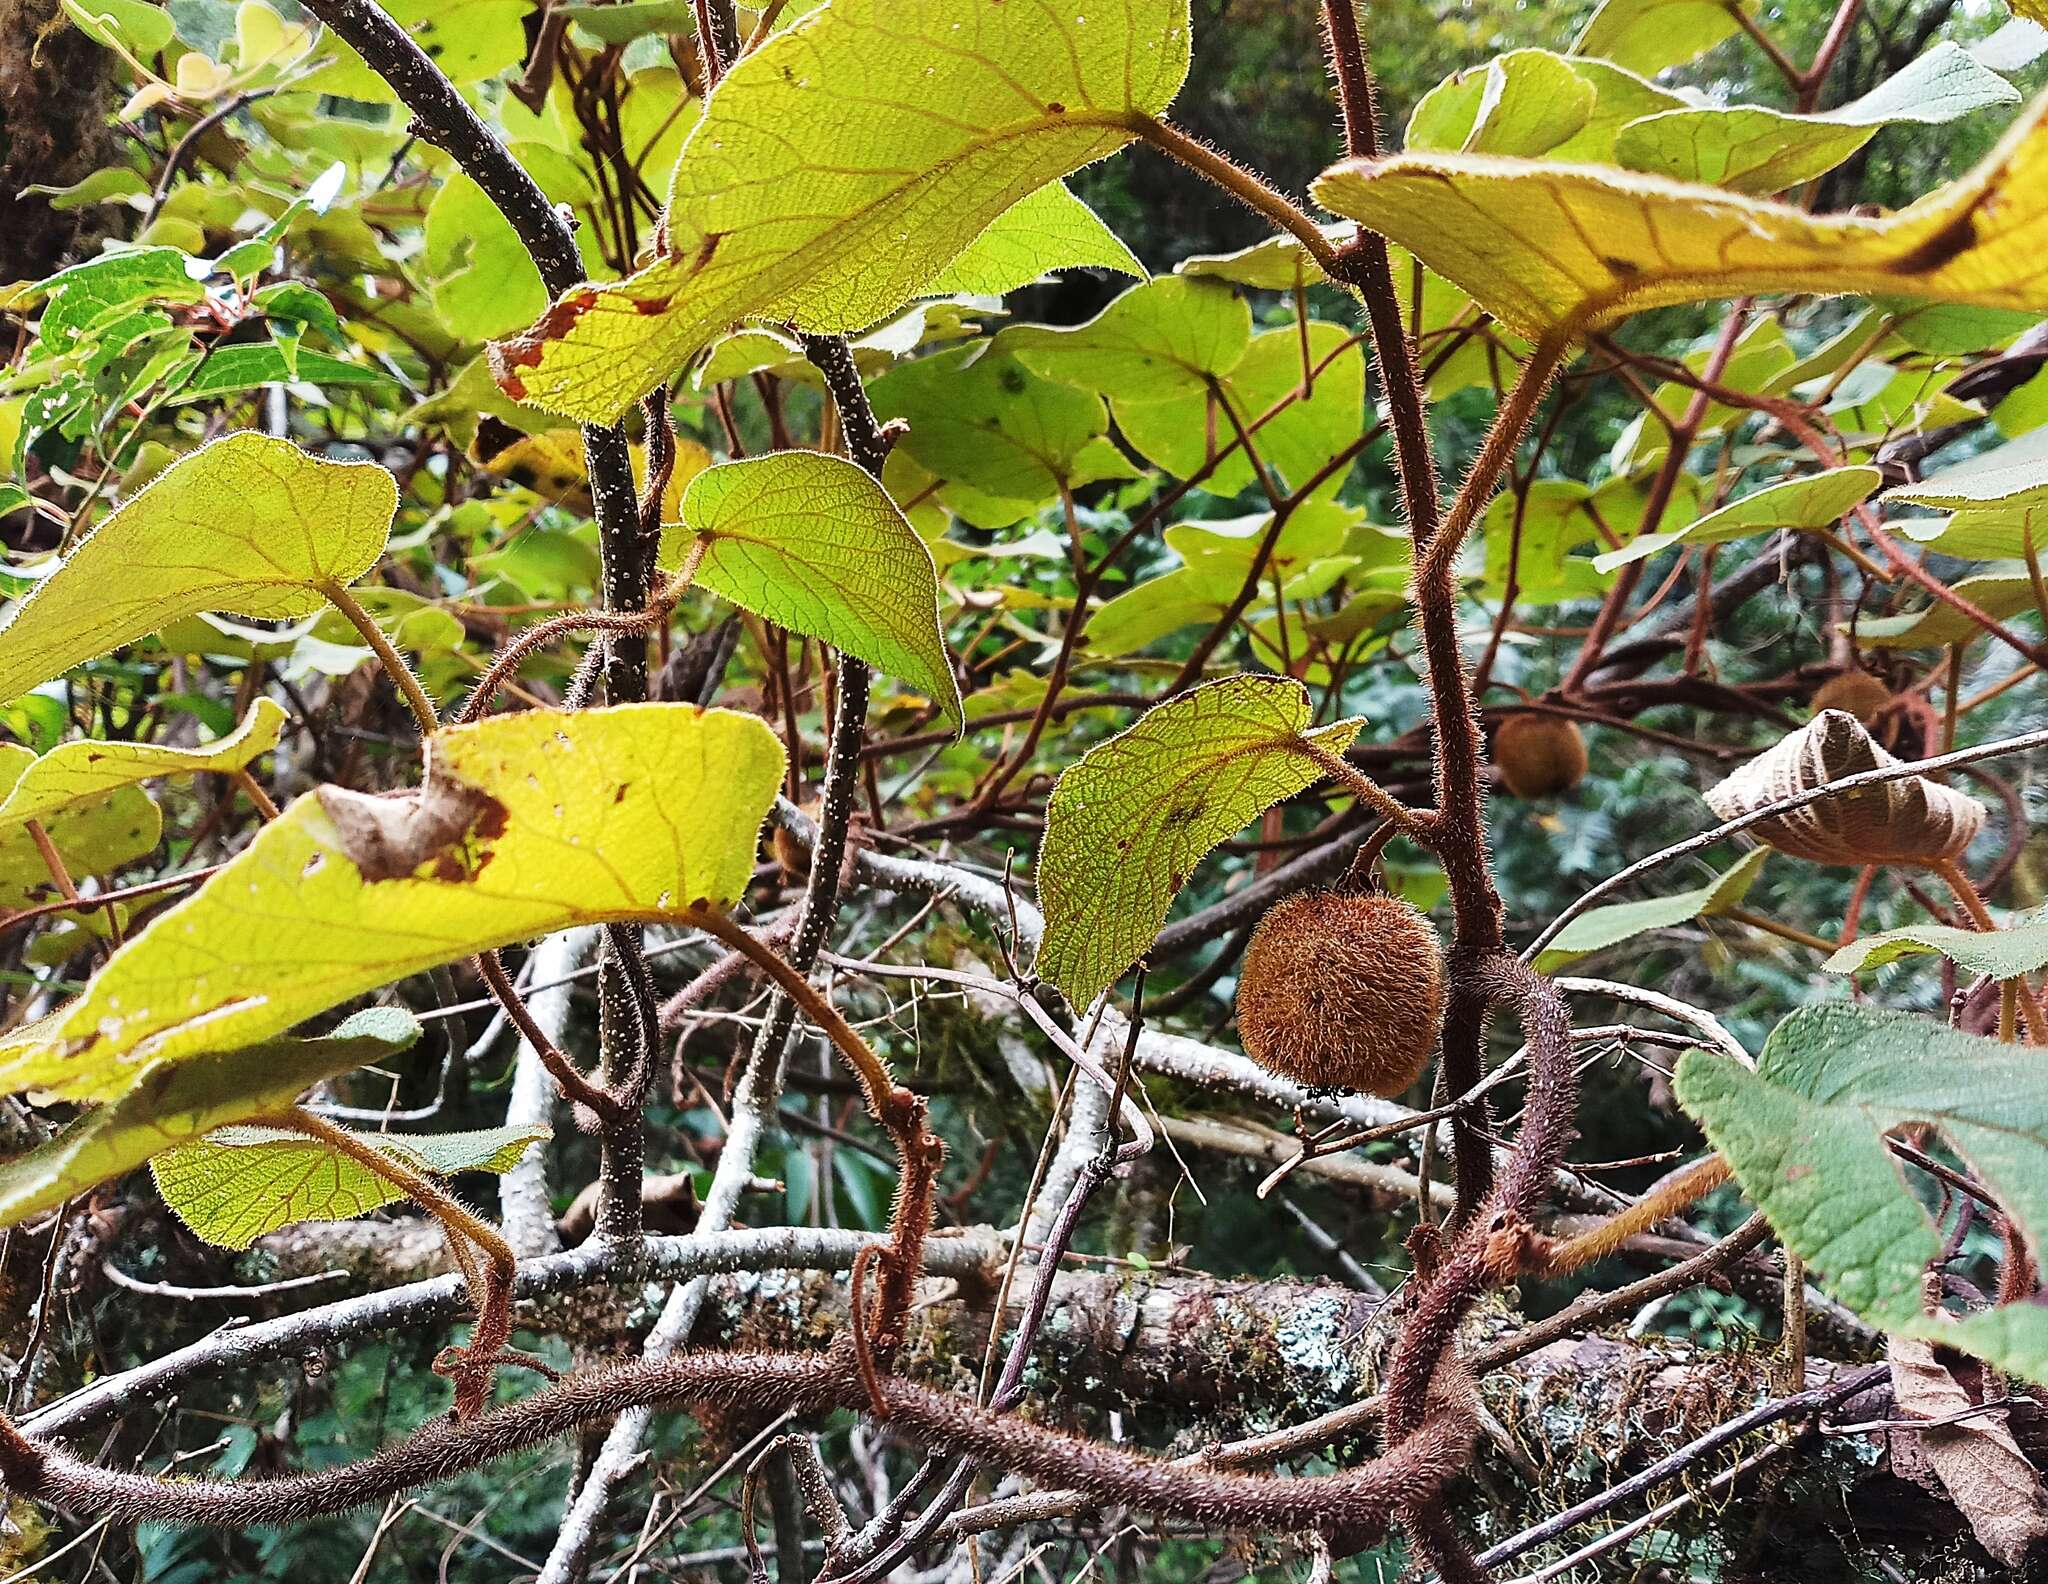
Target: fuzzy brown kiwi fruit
1855 693
1342 990
1539 755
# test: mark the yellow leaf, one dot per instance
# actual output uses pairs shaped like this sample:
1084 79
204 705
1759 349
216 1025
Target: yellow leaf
842 166
526 824
248 524
1558 251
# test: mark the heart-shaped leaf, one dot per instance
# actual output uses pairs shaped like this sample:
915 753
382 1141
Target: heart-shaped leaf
1805 1134
810 541
239 1183
1128 822
1558 250
248 524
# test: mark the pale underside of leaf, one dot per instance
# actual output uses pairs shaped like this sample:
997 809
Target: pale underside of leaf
176 1102
240 1183
1129 821
247 524
527 823
842 166
811 542
2000 954
1804 504
1558 251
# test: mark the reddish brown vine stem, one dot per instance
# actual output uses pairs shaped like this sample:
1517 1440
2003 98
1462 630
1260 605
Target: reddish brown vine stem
1355 1505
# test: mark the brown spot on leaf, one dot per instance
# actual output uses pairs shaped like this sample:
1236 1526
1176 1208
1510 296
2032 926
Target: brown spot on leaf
1054 107
447 824
1958 236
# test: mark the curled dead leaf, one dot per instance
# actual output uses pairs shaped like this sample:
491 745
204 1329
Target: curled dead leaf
1910 820
1974 1459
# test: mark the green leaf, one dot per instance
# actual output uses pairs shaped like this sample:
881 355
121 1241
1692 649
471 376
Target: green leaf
982 419
1128 822
1171 337
1524 103
1049 230
1280 263
1996 594
484 282
842 166
1757 150
1602 927
527 824
1561 250
238 1183
170 1104
87 797
2002 954
1299 441
88 293
245 366
2009 476
1805 1135
247 524
1648 35
1816 502
811 542
622 21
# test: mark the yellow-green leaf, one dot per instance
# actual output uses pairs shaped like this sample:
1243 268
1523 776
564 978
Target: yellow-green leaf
1171 337
1561 250
1049 230
1648 35
177 1102
468 39
238 1183
249 525
1757 150
987 421
1128 822
1816 502
1997 594
88 799
843 165
811 542
1525 103
526 824
1176 433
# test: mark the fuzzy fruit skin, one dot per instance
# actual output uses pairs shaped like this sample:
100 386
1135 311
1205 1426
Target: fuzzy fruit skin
1539 755
1855 693
1342 990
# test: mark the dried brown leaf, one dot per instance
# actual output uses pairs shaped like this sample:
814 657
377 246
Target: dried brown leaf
1977 1461
1910 820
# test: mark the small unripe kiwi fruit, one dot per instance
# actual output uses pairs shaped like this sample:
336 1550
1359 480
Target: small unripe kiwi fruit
1855 693
1342 990
1539 755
